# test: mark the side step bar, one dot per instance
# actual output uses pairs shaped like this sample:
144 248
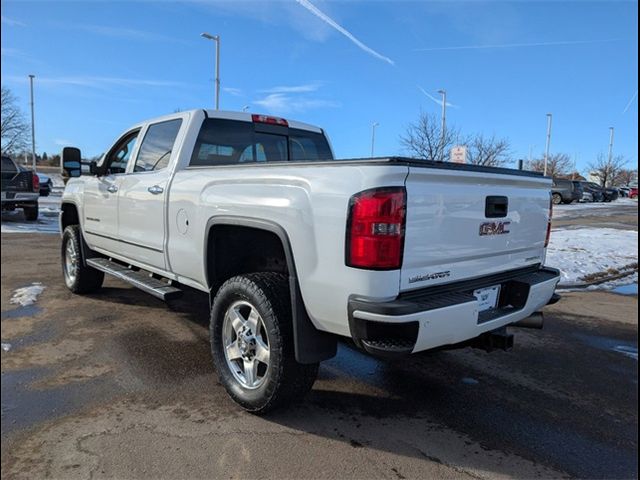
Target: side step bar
143 281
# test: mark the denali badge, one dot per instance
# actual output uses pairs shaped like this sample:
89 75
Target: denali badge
494 228
429 276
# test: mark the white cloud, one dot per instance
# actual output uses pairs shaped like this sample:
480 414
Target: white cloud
236 92
10 22
98 81
283 103
127 33
310 87
434 99
328 20
515 45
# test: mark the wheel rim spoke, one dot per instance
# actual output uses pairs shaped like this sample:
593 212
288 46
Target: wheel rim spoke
237 322
233 351
251 372
252 321
262 351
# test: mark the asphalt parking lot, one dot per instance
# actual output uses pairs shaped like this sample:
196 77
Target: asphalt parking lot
118 385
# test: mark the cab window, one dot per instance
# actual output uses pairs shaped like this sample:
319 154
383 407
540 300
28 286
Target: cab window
155 150
118 158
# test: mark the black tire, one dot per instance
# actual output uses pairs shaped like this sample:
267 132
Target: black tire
83 279
285 379
557 198
567 202
31 212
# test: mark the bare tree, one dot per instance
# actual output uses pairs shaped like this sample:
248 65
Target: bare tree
14 130
558 165
423 139
488 151
625 177
606 169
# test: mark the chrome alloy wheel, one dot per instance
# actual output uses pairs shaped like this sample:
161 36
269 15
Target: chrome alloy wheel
70 263
246 344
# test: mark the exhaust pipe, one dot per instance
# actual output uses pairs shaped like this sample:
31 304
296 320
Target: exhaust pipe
534 321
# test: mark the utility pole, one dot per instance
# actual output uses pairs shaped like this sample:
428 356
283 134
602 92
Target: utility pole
33 128
215 38
373 136
610 144
443 128
546 151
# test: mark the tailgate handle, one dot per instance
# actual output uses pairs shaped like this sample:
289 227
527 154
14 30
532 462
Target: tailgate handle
496 206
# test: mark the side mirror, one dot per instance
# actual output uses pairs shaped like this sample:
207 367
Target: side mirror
70 162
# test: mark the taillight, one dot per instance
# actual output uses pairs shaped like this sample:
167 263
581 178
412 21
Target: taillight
35 182
270 120
375 229
546 240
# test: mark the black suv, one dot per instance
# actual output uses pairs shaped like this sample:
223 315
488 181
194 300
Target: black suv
566 191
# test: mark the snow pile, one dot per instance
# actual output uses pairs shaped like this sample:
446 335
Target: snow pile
27 295
585 254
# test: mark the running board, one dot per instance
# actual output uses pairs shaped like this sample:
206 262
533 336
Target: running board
139 279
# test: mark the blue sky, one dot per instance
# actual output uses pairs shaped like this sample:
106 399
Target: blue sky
102 66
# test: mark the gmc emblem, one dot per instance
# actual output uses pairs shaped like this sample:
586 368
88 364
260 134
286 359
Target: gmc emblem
494 228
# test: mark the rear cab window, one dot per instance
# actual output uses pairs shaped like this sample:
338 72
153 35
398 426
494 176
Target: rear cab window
8 165
230 142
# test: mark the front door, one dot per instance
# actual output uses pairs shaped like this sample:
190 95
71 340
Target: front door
100 207
143 195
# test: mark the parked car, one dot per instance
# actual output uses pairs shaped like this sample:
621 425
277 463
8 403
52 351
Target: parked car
566 191
610 194
587 197
20 189
633 192
297 249
596 191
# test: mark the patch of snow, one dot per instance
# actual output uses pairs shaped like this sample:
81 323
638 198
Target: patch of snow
586 251
27 295
6 347
630 352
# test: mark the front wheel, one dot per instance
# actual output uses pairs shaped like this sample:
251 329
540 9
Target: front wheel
78 277
557 199
252 343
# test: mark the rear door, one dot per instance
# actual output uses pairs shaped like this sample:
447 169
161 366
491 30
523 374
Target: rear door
464 224
143 194
101 195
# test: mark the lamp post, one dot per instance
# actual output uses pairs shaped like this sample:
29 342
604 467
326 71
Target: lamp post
373 136
443 127
546 150
33 128
215 38
610 144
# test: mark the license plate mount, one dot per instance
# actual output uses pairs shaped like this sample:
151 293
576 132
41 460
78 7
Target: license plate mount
487 297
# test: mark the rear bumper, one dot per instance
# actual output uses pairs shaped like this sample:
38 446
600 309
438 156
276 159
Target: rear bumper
448 315
18 198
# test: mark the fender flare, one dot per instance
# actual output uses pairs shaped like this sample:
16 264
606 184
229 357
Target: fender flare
311 345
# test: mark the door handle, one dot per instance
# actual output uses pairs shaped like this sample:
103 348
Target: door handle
155 190
112 188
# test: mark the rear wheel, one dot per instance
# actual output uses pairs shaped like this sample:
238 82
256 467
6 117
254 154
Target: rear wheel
78 277
557 199
31 212
252 343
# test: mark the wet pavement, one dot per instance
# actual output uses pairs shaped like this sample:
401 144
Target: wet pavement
119 385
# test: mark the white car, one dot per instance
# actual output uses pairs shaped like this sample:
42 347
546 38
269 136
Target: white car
297 249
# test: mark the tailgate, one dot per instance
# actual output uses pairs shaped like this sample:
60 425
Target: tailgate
13 182
467 224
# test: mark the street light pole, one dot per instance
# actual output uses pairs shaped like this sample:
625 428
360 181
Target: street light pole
373 136
33 128
546 150
443 128
610 144
215 38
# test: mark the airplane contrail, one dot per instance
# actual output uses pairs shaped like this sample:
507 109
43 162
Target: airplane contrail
325 18
635 96
516 45
434 99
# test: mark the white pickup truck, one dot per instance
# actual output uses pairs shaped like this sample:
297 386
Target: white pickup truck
297 249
